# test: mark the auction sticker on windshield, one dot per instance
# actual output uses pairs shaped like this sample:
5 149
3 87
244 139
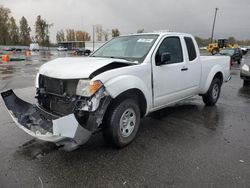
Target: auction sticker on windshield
145 40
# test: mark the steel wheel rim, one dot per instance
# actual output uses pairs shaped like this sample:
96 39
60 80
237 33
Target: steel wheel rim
127 122
215 91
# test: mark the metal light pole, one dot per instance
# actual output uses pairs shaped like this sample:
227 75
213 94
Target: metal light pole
216 9
93 37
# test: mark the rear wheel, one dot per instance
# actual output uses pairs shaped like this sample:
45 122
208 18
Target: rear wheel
246 83
213 93
122 122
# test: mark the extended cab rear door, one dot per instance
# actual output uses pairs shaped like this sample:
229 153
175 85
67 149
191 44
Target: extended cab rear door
192 75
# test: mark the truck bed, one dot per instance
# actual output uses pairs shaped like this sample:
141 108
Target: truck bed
210 63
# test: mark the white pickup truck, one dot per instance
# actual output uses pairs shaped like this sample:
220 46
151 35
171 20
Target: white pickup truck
121 82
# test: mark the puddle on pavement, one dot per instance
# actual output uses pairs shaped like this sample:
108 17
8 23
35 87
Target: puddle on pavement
209 117
244 92
26 68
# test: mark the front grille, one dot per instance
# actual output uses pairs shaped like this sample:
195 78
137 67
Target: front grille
58 86
57 95
52 85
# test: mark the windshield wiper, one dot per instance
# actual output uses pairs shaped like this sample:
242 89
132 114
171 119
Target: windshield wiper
113 57
117 58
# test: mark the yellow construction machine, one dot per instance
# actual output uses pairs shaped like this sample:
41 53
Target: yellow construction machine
215 47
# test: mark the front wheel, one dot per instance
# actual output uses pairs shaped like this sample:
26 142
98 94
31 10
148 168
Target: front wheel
122 122
213 93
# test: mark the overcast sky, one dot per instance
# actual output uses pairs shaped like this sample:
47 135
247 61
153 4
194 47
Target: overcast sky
190 16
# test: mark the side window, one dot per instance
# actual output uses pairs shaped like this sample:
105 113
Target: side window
172 46
190 48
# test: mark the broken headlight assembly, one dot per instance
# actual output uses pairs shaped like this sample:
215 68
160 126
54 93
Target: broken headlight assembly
87 88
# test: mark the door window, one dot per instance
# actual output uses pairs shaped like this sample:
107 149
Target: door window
172 46
190 48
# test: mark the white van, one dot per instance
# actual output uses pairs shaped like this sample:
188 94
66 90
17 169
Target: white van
34 47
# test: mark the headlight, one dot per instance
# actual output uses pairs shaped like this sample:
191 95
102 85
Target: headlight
87 88
245 67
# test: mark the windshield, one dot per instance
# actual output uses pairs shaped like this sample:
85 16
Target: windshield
131 48
227 52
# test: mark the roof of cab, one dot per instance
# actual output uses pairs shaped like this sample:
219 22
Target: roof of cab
161 33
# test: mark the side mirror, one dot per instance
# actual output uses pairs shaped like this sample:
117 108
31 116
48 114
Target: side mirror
164 58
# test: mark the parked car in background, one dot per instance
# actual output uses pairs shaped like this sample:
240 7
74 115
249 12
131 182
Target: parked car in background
244 50
61 48
203 48
82 51
13 49
234 53
245 74
34 47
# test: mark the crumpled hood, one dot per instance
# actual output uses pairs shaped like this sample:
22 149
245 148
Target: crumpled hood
75 67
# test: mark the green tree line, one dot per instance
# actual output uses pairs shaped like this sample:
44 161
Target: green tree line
231 40
12 33
80 35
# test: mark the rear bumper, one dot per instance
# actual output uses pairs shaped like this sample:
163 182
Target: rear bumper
43 125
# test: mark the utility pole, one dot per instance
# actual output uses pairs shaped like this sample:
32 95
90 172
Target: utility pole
216 9
93 37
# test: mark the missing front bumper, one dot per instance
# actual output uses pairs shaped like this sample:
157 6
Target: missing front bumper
43 125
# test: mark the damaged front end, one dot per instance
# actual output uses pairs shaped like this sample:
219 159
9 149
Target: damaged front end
60 116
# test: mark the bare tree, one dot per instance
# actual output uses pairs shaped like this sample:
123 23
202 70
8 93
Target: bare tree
99 32
106 35
231 40
115 32
60 36
70 35
82 36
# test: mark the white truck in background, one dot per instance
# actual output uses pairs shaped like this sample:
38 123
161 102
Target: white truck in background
123 81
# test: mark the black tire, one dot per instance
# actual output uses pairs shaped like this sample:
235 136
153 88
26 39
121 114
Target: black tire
239 61
246 83
214 51
213 93
113 128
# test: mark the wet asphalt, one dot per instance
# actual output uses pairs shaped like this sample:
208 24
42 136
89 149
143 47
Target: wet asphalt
186 145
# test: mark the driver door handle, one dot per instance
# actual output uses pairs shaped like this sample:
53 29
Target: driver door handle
184 69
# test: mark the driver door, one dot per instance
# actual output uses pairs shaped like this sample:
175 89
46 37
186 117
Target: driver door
168 84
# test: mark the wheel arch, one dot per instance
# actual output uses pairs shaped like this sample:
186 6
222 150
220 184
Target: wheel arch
136 94
219 75
216 72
